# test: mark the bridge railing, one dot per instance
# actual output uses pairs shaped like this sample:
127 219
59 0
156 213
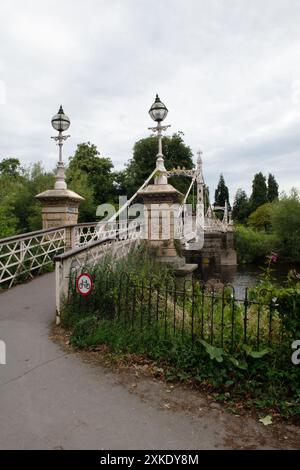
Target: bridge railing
85 257
23 256
92 231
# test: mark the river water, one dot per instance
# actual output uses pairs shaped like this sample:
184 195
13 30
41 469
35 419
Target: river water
246 275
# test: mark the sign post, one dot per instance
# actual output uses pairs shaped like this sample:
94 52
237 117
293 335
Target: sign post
84 284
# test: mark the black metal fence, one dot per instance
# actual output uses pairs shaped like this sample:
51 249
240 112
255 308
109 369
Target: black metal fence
188 310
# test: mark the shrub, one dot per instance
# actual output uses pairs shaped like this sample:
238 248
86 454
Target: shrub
252 245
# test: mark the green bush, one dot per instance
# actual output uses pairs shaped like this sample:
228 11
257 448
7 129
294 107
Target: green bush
285 219
253 245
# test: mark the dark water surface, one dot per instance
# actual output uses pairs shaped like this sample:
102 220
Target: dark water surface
246 275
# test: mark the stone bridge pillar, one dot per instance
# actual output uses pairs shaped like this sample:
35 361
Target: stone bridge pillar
60 207
162 201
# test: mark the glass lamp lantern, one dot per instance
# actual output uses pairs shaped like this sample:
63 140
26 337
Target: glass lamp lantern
60 122
158 110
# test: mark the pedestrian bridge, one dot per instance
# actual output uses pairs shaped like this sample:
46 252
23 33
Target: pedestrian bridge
73 246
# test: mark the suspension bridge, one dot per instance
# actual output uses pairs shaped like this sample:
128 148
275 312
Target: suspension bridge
71 246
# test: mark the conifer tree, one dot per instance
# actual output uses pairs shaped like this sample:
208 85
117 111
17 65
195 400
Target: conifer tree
221 193
272 191
259 191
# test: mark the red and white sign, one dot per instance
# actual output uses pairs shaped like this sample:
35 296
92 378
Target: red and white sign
84 284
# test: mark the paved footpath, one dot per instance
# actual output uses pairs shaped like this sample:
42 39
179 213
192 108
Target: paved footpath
52 400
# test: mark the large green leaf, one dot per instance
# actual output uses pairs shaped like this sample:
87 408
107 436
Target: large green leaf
238 363
214 353
255 354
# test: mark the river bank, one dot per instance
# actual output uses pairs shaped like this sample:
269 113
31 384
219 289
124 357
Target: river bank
246 275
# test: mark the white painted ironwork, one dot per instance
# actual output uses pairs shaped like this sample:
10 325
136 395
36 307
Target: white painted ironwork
23 255
86 257
86 233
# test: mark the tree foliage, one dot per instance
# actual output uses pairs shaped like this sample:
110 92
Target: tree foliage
259 191
10 167
285 219
273 226
98 170
20 211
253 245
261 217
27 209
176 153
272 190
221 193
241 207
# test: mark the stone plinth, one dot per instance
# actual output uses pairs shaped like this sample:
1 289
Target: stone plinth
162 202
218 250
60 207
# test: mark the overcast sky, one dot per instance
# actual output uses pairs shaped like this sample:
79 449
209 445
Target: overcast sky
228 71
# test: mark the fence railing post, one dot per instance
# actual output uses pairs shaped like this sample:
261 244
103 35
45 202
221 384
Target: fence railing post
58 268
70 234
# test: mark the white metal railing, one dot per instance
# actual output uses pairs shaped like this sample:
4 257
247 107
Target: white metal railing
23 255
88 232
86 257
84 233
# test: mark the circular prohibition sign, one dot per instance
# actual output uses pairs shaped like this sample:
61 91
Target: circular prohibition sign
84 284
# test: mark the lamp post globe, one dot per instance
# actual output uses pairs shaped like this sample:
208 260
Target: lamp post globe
158 110
60 122
158 113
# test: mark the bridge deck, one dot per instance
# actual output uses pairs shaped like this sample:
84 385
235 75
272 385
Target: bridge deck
49 399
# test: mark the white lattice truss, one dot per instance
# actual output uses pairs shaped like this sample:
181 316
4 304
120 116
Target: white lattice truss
29 253
85 258
188 227
85 233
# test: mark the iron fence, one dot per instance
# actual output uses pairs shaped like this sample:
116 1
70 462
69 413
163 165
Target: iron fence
190 310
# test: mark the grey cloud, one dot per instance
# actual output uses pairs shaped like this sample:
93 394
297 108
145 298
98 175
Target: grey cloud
227 70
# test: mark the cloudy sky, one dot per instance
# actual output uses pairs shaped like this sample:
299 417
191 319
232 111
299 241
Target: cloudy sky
228 70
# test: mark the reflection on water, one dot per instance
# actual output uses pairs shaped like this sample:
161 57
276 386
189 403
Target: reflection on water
246 275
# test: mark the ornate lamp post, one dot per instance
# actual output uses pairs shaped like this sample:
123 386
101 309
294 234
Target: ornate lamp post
158 113
60 122
60 205
162 204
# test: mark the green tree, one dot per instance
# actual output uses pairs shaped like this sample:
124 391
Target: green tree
241 207
253 245
285 220
97 169
261 217
221 193
259 191
176 153
8 220
26 208
19 210
10 167
80 184
272 190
